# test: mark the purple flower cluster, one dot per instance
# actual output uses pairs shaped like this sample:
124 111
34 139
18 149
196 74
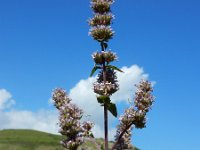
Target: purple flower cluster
111 85
101 6
69 121
60 98
143 96
135 116
101 33
107 56
100 23
99 19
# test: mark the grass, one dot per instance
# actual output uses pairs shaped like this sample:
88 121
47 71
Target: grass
28 140
36 140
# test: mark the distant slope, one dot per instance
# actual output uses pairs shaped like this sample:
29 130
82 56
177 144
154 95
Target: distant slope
28 140
34 140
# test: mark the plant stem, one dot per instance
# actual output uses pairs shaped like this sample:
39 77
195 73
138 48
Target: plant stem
105 106
121 135
106 126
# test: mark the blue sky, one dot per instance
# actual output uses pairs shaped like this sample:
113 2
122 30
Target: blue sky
45 44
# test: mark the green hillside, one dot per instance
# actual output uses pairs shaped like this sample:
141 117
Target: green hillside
34 140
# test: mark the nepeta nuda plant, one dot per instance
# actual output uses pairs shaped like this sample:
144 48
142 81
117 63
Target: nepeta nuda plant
107 83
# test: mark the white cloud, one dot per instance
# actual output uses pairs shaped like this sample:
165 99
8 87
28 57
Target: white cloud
82 95
5 99
43 120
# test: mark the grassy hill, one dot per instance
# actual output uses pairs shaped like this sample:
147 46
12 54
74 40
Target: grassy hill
35 140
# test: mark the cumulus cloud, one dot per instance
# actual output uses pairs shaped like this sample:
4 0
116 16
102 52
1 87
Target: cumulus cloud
6 100
82 95
43 120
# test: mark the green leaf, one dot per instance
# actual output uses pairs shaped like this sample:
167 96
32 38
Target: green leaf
114 67
91 135
94 70
103 99
113 109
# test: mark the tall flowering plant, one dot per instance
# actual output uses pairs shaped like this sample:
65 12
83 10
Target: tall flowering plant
71 127
107 83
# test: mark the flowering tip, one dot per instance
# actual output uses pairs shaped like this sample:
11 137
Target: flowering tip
60 97
101 6
143 96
